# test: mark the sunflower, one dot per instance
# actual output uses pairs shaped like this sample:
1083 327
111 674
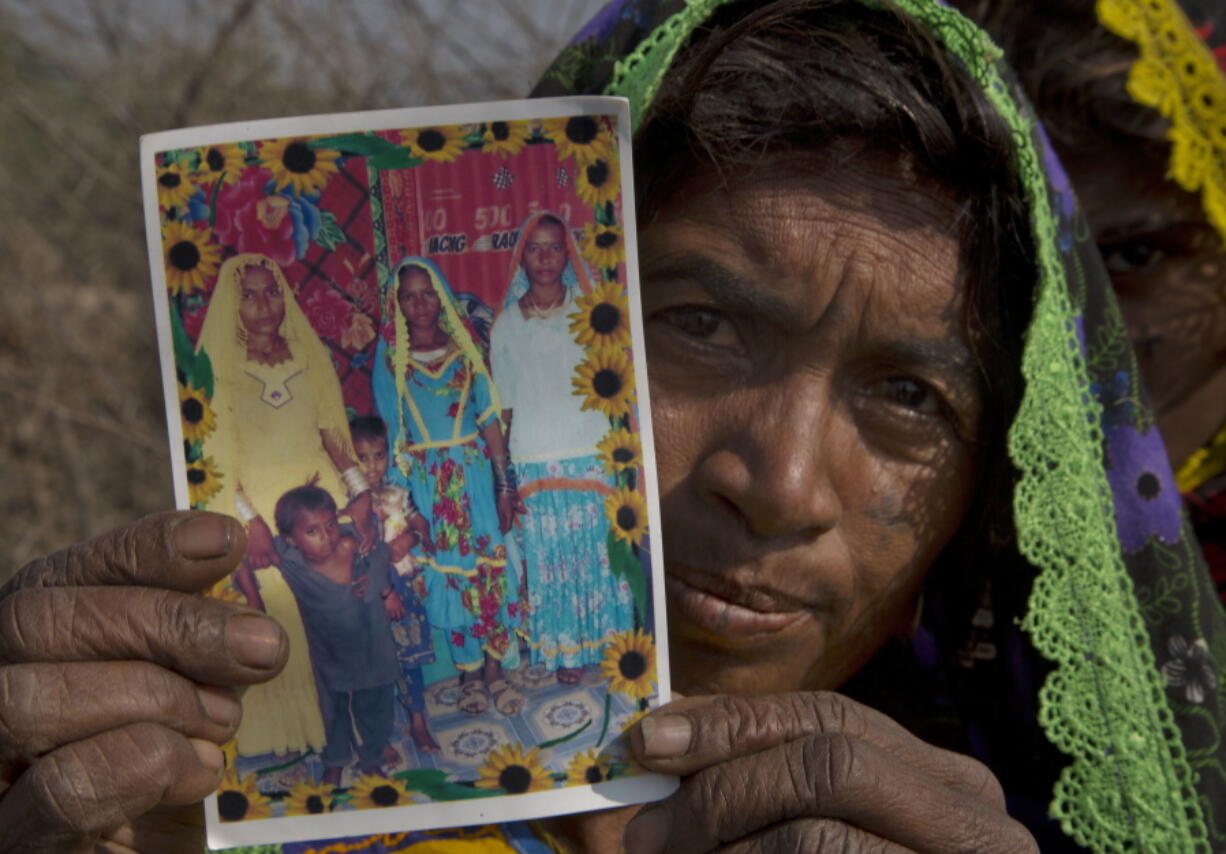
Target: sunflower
603 245
620 450
197 415
580 137
224 160
443 143
203 480
630 663
378 792
598 182
603 318
587 769
174 188
627 513
295 164
308 798
511 769
506 138
606 382
239 800
191 258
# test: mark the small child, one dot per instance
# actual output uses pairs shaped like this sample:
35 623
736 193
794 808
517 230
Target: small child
403 528
339 593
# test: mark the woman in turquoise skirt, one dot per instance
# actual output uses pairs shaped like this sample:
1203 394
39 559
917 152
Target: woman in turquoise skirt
433 390
577 602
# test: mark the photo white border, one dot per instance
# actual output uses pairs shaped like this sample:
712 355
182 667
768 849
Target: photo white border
439 814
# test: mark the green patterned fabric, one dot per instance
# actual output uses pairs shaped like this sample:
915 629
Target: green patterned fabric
1120 609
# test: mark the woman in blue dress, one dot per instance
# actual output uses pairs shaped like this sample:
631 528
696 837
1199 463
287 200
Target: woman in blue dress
435 394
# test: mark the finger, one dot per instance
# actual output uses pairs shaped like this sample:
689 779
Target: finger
815 834
688 735
166 830
181 550
824 776
66 800
44 706
207 640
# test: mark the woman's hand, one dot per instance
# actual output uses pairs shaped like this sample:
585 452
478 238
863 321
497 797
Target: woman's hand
392 606
260 549
116 687
421 526
811 772
506 511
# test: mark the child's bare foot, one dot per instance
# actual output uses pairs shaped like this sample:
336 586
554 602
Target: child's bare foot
570 675
419 731
373 771
391 756
332 775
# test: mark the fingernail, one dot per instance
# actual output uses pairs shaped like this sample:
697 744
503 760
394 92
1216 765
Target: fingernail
209 754
203 537
219 705
254 641
647 833
666 736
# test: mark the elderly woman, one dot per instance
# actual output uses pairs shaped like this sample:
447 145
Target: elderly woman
856 286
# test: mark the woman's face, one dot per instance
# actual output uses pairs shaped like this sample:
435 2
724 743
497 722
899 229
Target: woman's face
261 305
544 256
418 301
815 401
1169 272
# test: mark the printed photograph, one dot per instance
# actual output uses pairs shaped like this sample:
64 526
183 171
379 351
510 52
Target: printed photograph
407 357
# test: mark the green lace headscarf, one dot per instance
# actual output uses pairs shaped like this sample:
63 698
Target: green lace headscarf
1121 622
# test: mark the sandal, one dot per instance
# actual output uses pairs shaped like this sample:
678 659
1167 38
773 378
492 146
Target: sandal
507 698
473 698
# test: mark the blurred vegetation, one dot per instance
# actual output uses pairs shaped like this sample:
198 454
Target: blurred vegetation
83 439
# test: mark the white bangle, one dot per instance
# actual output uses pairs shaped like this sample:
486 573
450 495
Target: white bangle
355 481
243 508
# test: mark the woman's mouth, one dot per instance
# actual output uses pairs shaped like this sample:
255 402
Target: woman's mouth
725 608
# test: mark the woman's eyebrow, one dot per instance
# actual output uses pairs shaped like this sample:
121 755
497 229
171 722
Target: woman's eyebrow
948 355
723 285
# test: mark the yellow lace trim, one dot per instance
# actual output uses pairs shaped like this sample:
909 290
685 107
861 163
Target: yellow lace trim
1178 76
1205 464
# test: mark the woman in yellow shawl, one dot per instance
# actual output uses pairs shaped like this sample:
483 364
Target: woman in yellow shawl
280 423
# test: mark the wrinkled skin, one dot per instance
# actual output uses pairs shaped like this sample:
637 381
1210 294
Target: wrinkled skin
815 413
117 686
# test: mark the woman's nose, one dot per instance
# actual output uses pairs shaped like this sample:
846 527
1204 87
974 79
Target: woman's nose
775 469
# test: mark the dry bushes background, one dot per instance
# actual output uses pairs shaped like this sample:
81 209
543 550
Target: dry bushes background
82 436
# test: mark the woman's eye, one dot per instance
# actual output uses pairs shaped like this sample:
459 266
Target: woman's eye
910 394
696 322
1131 256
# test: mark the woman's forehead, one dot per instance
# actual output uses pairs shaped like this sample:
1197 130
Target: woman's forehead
414 277
890 246
254 275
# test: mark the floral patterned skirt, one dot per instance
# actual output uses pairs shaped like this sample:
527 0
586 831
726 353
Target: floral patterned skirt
470 592
576 603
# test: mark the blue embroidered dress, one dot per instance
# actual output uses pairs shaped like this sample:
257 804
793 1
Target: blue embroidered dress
435 413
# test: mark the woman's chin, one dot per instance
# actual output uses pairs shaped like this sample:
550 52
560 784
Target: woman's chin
697 668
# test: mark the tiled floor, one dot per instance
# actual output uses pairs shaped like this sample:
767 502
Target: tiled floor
553 711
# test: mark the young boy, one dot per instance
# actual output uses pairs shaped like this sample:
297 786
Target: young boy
340 594
403 527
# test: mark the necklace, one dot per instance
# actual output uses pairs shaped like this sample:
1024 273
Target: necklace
535 309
